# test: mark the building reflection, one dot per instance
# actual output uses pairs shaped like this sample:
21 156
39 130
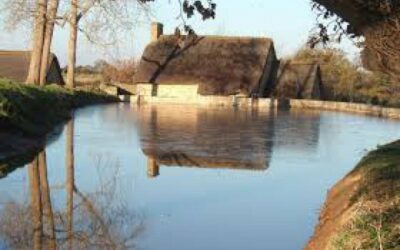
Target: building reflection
298 131
85 220
222 138
153 167
214 138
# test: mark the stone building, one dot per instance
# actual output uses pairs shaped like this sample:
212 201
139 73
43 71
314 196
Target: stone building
14 65
190 66
299 80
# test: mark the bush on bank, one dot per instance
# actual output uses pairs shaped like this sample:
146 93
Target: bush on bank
375 221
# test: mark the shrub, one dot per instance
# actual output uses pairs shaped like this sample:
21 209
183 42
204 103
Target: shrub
121 71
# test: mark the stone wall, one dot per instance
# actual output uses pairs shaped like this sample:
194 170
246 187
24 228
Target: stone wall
264 103
227 101
168 91
144 89
187 91
358 108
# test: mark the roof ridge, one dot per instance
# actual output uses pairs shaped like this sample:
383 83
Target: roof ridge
226 37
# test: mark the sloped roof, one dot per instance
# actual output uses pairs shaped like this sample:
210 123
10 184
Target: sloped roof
297 79
15 64
220 65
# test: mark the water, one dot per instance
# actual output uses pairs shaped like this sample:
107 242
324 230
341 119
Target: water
173 177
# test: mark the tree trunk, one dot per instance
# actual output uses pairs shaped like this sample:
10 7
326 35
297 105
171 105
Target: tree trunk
36 205
37 42
48 38
73 36
70 182
46 202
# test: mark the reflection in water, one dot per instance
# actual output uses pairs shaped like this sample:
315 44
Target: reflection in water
305 152
205 138
70 182
298 130
95 220
215 138
153 168
48 224
36 204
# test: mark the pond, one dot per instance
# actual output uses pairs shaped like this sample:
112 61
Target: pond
179 177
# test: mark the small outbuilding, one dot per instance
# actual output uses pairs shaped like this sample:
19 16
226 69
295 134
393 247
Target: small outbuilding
299 80
14 65
186 66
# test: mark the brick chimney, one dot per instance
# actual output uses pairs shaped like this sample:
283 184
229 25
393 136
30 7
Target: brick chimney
156 31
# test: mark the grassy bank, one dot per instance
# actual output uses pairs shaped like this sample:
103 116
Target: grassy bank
28 113
363 210
33 111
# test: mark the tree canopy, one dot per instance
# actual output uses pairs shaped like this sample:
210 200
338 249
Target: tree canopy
376 22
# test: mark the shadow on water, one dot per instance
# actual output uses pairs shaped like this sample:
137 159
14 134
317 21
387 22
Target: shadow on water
87 220
11 163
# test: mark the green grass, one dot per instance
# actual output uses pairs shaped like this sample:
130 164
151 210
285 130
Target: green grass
34 111
376 220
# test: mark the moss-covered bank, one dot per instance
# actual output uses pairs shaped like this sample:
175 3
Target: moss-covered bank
28 113
362 211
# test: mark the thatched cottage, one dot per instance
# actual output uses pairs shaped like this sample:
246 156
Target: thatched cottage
177 66
14 65
299 80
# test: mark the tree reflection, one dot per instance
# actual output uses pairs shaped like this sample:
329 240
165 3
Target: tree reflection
94 220
70 182
36 205
48 225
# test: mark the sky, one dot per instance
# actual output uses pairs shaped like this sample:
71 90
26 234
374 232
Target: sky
287 22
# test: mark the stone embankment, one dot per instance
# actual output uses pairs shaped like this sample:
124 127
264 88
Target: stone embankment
262 103
365 109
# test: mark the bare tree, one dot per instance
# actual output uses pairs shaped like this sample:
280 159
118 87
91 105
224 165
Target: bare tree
37 42
48 38
105 20
73 38
43 14
375 24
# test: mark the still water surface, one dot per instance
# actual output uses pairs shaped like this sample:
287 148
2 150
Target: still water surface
173 177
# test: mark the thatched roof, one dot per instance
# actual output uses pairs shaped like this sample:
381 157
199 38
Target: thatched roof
299 80
220 65
14 65
183 159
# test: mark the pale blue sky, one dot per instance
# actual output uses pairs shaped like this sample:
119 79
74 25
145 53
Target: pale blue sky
287 22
